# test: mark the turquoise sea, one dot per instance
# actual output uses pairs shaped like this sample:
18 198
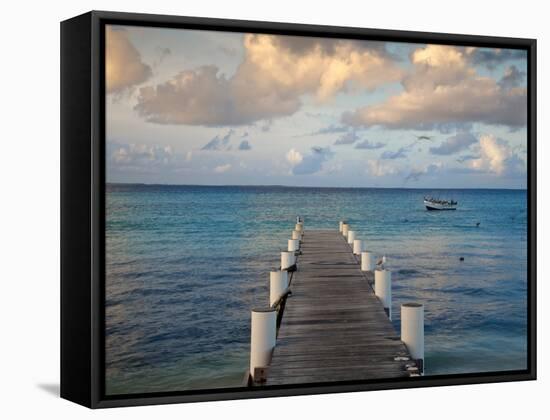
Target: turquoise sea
185 264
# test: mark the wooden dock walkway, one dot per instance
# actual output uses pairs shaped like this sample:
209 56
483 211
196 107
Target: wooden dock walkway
333 327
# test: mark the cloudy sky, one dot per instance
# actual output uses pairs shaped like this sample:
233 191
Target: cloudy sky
202 107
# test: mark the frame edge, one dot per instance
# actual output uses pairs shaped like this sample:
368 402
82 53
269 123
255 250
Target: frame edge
92 144
75 131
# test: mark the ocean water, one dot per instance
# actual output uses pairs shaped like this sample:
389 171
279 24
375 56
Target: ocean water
185 264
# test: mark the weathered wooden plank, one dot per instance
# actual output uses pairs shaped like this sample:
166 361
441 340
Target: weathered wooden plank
334 328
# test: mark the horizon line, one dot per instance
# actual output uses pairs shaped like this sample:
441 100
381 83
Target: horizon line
309 186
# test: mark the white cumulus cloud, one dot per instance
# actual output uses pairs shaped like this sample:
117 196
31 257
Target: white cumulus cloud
444 89
310 163
220 169
141 154
123 66
496 156
294 157
378 168
276 72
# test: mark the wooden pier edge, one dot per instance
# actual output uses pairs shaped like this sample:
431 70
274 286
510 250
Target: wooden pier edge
330 325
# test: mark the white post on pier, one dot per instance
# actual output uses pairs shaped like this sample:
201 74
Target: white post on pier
358 246
368 262
293 245
341 225
412 331
351 236
288 259
382 288
263 336
278 283
296 235
345 230
299 227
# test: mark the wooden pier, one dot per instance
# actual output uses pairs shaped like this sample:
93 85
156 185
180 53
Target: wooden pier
333 327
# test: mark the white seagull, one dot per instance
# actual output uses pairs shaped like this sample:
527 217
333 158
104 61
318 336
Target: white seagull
382 261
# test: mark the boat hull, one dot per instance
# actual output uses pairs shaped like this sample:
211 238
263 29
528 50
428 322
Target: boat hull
430 208
438 207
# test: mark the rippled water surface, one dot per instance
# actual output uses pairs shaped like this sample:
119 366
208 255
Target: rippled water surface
186 263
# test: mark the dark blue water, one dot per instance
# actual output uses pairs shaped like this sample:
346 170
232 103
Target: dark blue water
185 264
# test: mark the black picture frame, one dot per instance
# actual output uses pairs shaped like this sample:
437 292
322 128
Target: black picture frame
83 199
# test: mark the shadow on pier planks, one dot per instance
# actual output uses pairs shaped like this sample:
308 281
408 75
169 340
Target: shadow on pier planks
334 328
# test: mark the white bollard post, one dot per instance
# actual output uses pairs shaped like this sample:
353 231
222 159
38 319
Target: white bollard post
293 245
341 226
382 288
299 227
278 283
358 246
368 261
296 235
351 236
287 259
345 229
412 331
263 336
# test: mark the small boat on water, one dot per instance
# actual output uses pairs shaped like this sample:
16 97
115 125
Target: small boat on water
437 204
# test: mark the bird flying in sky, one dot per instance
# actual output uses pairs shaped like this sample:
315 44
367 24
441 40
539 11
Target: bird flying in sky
419 138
